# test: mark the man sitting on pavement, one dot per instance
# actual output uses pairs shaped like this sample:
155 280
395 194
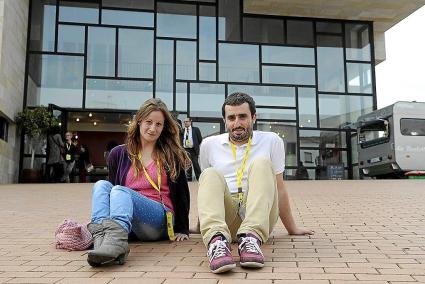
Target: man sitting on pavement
241 188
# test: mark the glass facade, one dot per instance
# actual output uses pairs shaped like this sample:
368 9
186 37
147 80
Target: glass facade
310 78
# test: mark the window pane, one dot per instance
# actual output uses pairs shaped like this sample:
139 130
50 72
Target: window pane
208 128
272 113
176 20
330 63
4 126
117 94
357 42
127 18
101 51
131 4
79 12
55 79
238 63
135 57
300 32
181 97
43 21
309 158
338 111
263 30
287 55
165 71
289 135
71 39
307 107
359 77
289 75
323 139
328 27
207 33
267 95
186 60
229 24
207 71
412 127
211 93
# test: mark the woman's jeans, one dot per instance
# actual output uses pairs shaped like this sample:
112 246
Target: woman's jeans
133 211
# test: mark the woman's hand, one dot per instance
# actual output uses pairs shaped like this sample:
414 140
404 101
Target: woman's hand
181 237
301 231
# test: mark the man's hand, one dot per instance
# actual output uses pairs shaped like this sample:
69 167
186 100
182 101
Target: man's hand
301 231
181 237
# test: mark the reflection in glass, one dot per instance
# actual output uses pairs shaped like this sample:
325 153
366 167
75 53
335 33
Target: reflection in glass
165 71
207 71
176 20
330 63
238 63
354 148
39 163
339 110
307 107
202 93
229 23
117 94
323 139
135 58
300 32
309 158
288 132
186 60
289 75
101 51
79 12
359 78
328 27
43 21
263 30
55 79
357 42
287 55
129 4
208 128
71 39
267 95
127 18
207 33
181 97
273 113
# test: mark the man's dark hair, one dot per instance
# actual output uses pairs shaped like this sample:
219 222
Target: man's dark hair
236 99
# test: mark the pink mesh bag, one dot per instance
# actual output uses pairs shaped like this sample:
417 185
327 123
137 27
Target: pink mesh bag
72 236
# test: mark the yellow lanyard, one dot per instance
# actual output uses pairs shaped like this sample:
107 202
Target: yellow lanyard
240 171
168 214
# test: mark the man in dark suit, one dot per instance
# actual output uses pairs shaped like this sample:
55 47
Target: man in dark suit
192 138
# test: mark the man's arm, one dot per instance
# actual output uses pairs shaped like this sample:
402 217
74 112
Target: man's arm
285 213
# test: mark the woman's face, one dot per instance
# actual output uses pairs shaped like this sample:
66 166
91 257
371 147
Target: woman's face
151 127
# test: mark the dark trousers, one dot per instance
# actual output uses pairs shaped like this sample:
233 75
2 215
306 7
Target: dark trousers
194 158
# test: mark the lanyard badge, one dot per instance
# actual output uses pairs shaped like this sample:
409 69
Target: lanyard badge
168 214
68 156
239 175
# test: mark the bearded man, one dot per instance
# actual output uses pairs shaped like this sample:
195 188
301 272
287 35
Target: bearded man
241 188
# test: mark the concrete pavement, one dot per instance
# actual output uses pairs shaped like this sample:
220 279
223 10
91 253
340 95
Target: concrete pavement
366 232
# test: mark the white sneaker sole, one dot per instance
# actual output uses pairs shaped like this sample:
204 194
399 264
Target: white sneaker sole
252 264
224 268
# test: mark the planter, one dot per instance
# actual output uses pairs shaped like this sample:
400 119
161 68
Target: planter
32 176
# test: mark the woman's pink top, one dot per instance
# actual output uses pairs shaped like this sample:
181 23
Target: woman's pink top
143 186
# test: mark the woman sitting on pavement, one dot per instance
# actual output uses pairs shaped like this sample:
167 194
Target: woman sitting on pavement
147 193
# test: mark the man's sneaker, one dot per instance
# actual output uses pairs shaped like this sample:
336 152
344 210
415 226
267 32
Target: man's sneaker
219 255
250 252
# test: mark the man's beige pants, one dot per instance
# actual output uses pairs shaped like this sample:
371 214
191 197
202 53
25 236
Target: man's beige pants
218 208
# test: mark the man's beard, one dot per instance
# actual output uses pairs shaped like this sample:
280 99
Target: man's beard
240 137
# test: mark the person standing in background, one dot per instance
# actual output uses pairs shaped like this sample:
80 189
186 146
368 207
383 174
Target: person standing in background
83 161
69 156
192 139
55 160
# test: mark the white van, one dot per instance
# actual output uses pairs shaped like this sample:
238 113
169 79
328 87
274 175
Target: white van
391 140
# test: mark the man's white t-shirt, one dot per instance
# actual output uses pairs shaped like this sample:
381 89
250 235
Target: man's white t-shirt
216 152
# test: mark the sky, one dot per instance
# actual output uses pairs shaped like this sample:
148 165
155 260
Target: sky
401 77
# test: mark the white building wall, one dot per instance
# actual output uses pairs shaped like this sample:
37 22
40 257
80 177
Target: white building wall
13 41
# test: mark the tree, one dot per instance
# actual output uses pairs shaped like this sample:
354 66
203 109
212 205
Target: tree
35 123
